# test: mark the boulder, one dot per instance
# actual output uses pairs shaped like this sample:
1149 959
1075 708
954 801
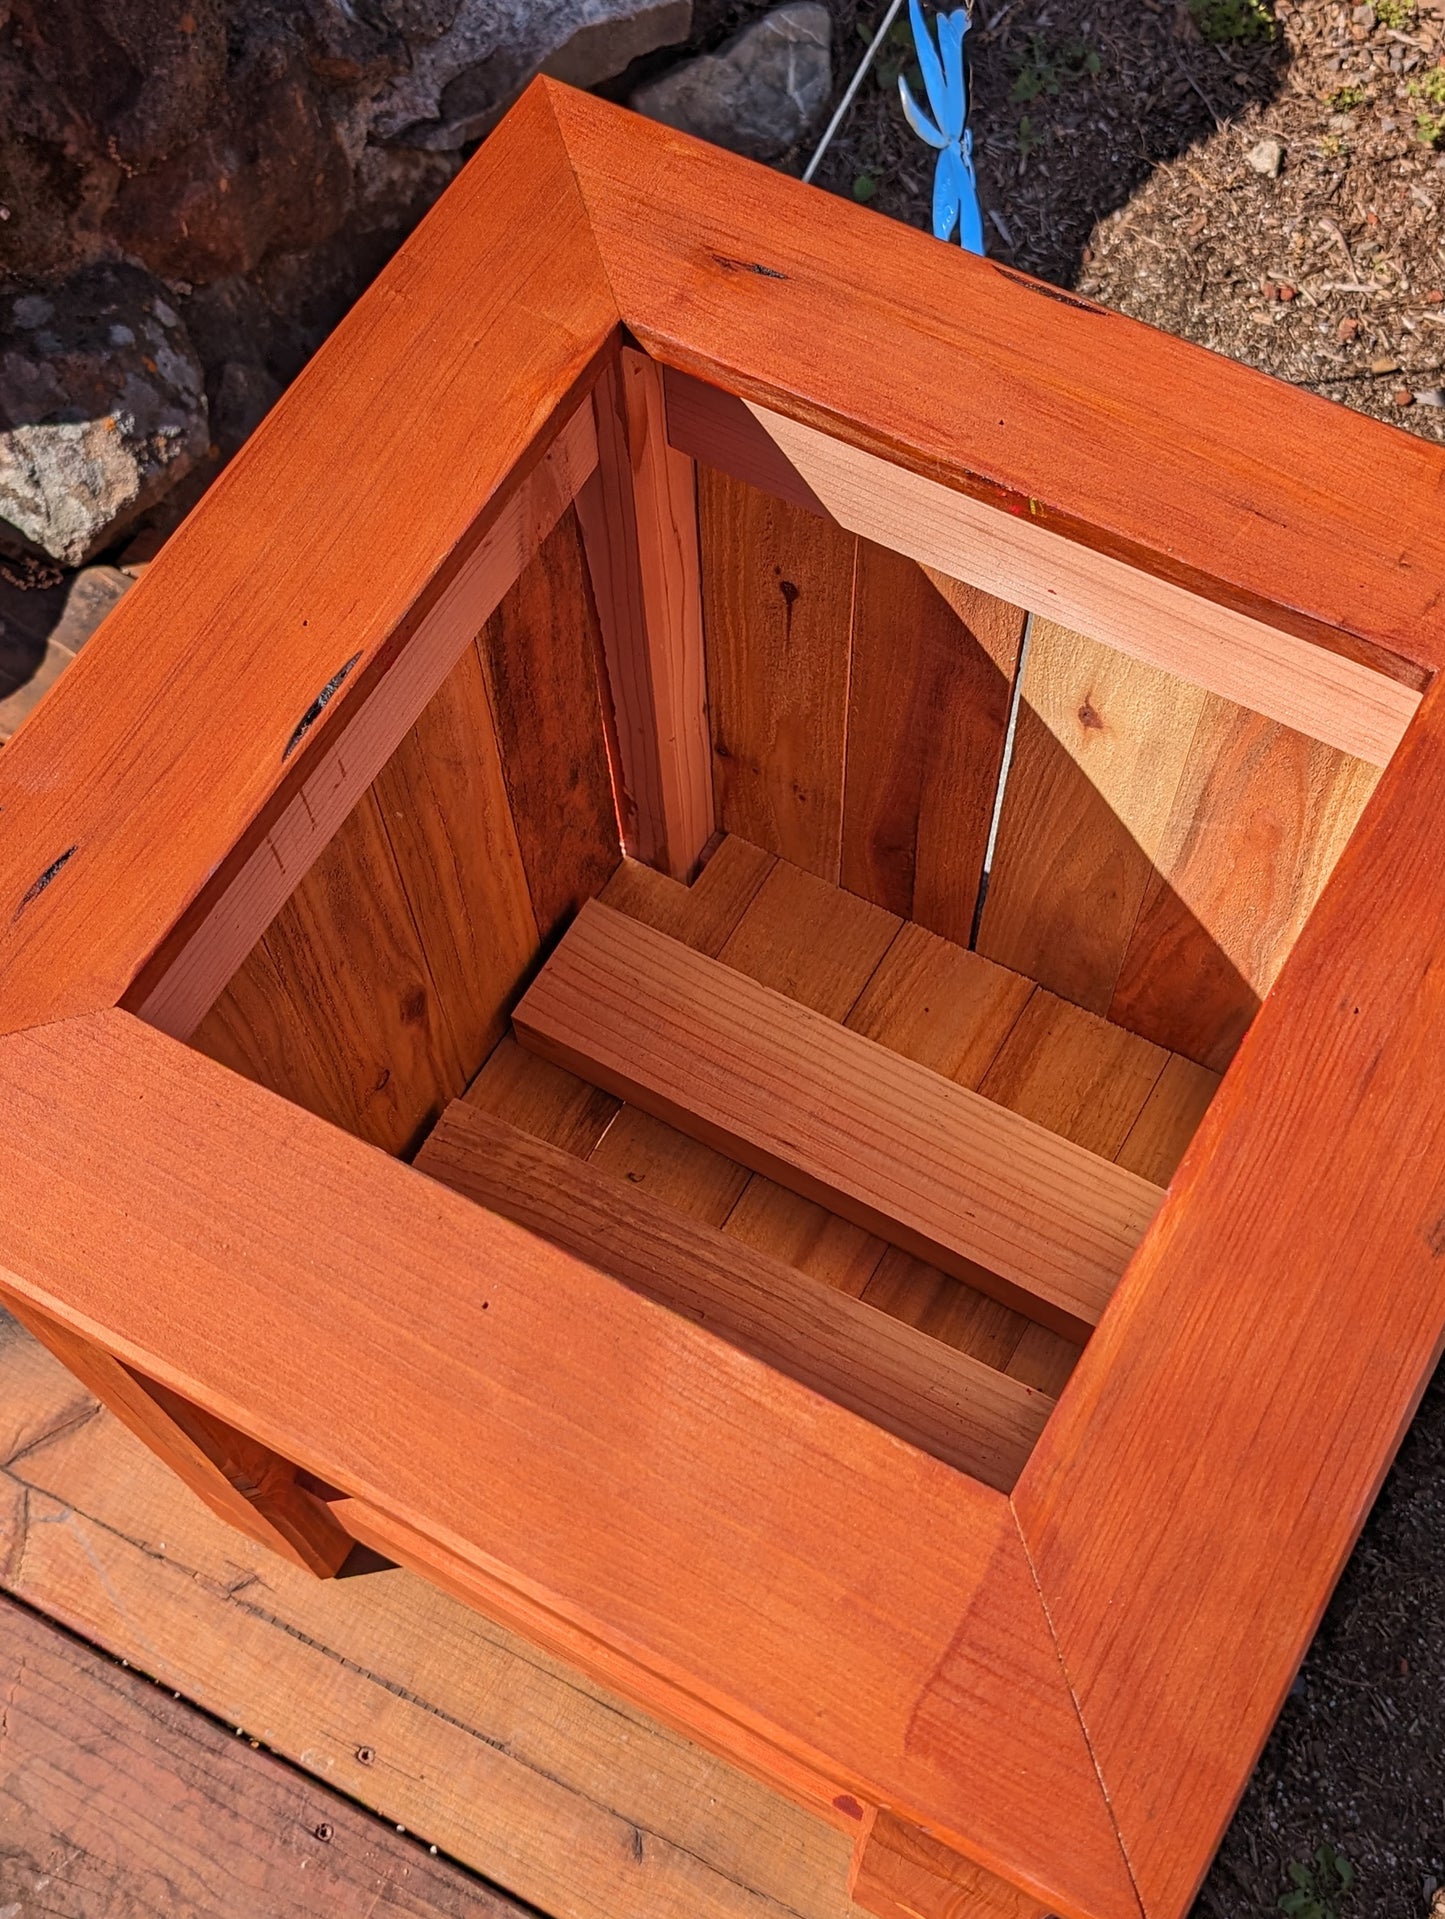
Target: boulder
102 410
760 93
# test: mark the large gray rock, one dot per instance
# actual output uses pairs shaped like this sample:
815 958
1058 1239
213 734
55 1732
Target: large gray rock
102 410
760 93
461 82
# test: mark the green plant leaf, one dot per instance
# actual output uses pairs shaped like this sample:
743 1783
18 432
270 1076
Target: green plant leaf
864 187
1301 1875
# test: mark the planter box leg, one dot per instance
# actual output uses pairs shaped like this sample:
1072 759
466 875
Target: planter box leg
241 1481
639 523
900 1873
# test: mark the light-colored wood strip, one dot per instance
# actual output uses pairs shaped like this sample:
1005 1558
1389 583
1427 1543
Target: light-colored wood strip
777 605
542 656
1101 748
176 993
927 709
472 1738
359 1034
543 1099
945 1402
1325 694
1258 821
639 522
809 940
1168 1120
901 1151
234 1477
443 804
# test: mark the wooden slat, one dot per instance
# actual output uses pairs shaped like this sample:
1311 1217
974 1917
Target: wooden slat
808 940
777 600
119 1800
473 1739
927 708
1100 751
1075 1073
542 654
443 805
183 980
240 1481
739 1597
543 1099
1258 822
338 1009
639 522
897 1149
703 914
943 1401
1168 1120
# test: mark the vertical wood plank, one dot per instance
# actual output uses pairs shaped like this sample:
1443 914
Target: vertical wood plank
541 652
927 712
638 515
239 1480
443 803
1258 821
336 1008
777 607
1100 750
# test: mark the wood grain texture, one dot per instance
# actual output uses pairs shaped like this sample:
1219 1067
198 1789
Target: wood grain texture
813 942
542 653
952 1406
1318 549
338 1009
444 385
118 1800
639 523
927 709
900 1873
183 978
703 914
742 1601
718 429
241 1482
777 610
1295 1269
900 1151
470 1737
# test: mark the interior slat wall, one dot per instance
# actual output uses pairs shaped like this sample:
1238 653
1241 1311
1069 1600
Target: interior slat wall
388 976
1159 847
858 715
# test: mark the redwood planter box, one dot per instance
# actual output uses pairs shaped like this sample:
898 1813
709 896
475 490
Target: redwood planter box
529 1043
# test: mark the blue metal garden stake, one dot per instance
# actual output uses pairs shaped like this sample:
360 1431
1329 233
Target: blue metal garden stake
955 189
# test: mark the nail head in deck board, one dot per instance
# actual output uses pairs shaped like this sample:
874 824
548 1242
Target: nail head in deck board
542 653
638 516
509 1761
754 1582
950 1405
136 1804
897 1149
928 704
777 608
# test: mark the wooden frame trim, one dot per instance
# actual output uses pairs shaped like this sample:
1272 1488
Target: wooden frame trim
866 1627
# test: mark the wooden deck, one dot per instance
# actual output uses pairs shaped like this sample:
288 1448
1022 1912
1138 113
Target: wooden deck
376 1685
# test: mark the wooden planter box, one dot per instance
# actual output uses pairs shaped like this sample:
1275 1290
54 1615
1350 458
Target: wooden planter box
504 1061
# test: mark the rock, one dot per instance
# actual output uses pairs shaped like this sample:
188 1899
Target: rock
1386 363
1267 158
462 81
102 410
41 633
240 398
1431 396
760 93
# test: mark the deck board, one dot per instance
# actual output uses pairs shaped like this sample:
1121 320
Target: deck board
505 1759
119 1801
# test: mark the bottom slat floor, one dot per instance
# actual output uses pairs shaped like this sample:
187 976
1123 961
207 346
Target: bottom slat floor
949 1009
